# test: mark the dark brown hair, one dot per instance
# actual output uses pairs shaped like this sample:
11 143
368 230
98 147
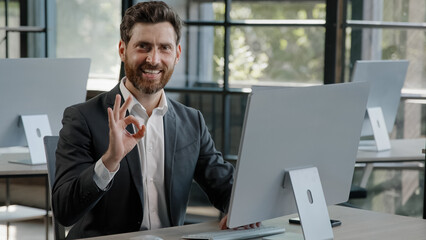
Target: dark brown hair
149 12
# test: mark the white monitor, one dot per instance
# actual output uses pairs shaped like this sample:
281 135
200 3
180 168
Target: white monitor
386 78
288 128
37 87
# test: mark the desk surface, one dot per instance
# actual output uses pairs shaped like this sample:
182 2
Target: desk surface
8 169
401 150
356 224
14 213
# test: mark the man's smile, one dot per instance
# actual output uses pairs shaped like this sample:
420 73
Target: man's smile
151 71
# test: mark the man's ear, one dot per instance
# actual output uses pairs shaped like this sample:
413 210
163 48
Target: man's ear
178 52
122 50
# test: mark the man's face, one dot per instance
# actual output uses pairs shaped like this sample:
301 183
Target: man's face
150 56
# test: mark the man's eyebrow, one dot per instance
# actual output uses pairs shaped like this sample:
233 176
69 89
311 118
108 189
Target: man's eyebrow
166 43
141 42
171 44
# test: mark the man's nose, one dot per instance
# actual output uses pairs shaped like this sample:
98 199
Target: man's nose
153 57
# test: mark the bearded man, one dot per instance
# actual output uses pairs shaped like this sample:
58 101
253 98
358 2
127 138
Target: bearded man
126 159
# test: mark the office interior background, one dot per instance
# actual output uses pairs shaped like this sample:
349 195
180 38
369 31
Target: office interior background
229 46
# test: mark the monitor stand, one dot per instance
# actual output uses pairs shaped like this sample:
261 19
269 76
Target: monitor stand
36 127
381 136
311 206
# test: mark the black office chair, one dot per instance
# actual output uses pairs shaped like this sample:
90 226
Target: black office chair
50 144
357 192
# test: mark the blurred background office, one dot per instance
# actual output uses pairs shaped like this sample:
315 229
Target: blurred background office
229 46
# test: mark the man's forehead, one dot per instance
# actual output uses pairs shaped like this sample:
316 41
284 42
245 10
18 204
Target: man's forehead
145 30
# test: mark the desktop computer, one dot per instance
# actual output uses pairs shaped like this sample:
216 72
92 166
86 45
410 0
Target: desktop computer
297 154
386 78
34 94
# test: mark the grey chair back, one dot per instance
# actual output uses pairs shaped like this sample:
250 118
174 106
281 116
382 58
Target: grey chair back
50 144
424 185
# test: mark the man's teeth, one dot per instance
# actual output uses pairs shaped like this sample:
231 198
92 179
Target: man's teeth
152 71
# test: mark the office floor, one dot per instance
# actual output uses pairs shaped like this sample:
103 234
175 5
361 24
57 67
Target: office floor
392 189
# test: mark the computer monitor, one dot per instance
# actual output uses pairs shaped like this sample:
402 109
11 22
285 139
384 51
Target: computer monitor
289 128
38 86
386 78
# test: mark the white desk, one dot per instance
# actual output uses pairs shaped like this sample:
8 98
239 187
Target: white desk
402 150
356 224
12 213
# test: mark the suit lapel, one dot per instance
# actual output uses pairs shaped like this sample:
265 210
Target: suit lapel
110 99
134 162
169 150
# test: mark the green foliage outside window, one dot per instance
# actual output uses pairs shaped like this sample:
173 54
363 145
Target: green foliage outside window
271 54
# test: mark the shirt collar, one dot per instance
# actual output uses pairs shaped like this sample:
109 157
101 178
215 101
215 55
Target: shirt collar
162 106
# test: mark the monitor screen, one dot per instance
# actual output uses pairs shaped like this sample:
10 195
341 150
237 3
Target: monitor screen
287 128
34 86
386 78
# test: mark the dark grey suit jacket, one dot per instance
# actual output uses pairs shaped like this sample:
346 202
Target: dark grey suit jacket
189 154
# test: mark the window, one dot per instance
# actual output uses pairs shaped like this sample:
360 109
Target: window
228 46
91 29
23 28
389 30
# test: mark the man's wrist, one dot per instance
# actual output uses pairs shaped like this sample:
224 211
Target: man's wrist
109 163
102 176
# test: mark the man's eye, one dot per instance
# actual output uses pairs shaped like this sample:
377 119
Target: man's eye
143 46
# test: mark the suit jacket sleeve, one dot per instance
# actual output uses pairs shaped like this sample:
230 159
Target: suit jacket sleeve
74 191
213 174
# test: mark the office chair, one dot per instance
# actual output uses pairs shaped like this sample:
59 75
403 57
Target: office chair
424 185
50 144
357 192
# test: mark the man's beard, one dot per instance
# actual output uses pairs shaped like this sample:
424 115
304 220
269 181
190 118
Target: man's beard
134 75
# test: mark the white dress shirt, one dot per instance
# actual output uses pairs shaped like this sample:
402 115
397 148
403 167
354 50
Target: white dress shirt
151 152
